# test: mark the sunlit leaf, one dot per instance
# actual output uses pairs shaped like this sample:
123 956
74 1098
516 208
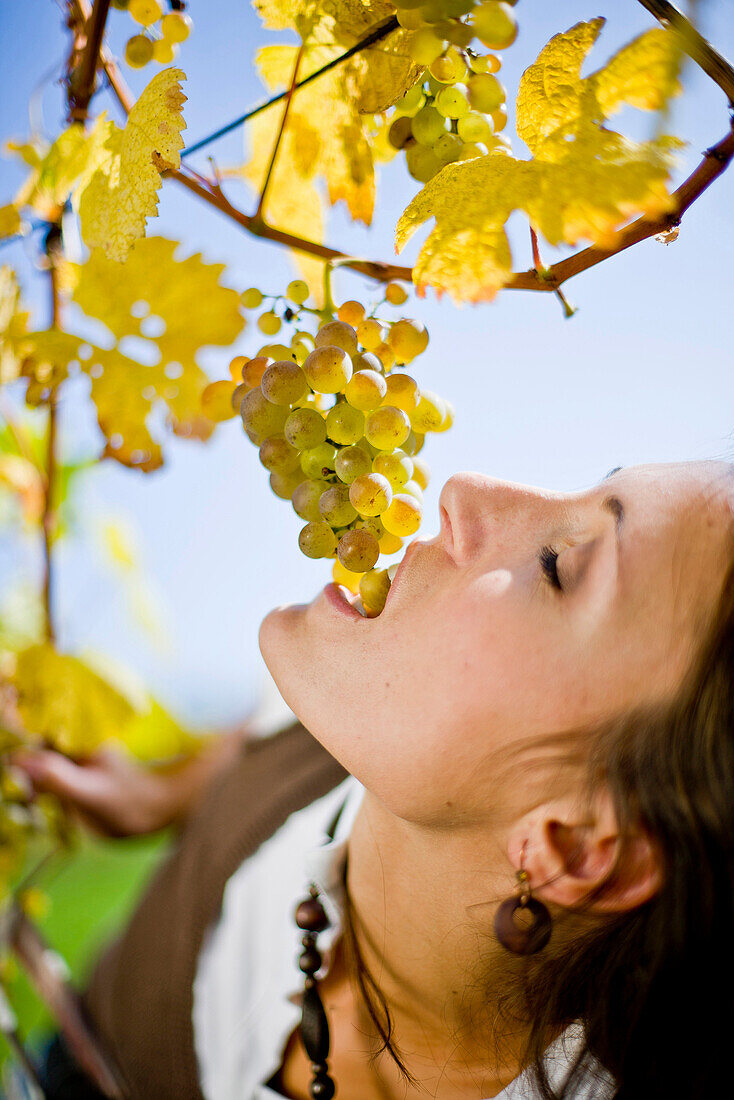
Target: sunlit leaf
61 169
9 220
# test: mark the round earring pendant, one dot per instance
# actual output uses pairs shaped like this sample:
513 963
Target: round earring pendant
527 936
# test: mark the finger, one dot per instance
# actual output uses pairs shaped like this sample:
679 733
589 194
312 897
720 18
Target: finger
54 773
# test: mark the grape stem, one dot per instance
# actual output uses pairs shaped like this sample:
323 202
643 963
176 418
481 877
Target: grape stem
81 77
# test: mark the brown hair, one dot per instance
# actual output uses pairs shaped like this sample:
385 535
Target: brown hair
643 983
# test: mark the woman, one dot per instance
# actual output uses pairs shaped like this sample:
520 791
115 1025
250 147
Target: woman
547 694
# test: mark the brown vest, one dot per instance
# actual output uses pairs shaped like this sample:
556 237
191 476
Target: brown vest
140 994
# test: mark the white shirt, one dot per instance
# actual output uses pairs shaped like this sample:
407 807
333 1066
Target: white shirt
248 970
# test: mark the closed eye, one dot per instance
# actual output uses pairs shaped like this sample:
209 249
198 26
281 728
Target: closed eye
548 559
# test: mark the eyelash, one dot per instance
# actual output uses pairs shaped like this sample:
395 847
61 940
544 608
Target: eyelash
548 563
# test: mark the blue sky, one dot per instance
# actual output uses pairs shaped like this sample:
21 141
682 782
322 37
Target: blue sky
642 373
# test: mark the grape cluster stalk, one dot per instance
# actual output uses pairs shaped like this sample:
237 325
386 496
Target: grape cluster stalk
339 425
457 110
161 35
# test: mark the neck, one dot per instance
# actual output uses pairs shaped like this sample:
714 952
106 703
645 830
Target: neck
434 957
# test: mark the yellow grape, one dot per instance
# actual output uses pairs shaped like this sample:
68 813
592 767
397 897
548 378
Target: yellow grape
254 369
145 12
352 313
369 333
163 51
448 420
486 93
386 355
336 507
176 26
237 394
284 485
387 427
370 494
367 360
344 424
403 516
277 454
269 323
337 334
414 443
138 51
216 400
499 119
358 550
396 466
425 46
328 369
390 544
318 461
305 428
301 352
421 472
297 291
235 367
407 338
365 390
352 462
373 524
260 416
373 589
317 540
305 499
402 392
284 382
485 63
413 489
429 413
350 580
251 298
495 25
396 294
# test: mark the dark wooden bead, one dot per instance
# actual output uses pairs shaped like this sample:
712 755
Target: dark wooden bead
314 1026
526 938
322 1088
309 940
310 961
310 914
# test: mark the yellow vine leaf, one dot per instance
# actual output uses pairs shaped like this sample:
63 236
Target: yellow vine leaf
582 182
13 324
9 220
62 169
123 193
159 313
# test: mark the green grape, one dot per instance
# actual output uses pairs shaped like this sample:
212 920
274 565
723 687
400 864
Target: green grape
300 351
400 132
412 101
413 489
484 63
486 92
367 360
470 151
251 298
176 26
422 163
402 391
284 382
369 333
276 351
297 291
317 540
452 103
237 394
432 11
260 416
372 524
284 485
277 454
305 499
365 390
456 8
163 51
318 461
373 589
370 494
428 125
352 462
429 413
396 294
475 127
407 338
448 148
145 12
269 323
434 86
352 313
421 473
414 443
336 507
396 466
344 424
387 427
328 369
403 516
411 20
458 34
495 25
305 428
337 334
425 46
358 550
138 51
447 69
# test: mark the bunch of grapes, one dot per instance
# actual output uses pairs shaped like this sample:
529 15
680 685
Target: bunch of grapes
162 32
339 426
457 110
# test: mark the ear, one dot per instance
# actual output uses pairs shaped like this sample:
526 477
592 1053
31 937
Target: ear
568 853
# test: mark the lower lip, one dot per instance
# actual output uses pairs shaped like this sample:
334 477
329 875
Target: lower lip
336 596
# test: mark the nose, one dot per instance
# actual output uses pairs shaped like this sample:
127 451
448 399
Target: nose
478 511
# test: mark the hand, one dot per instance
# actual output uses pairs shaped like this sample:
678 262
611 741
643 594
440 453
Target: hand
108 792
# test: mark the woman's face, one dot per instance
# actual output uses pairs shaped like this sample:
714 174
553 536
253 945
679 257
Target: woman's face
531 612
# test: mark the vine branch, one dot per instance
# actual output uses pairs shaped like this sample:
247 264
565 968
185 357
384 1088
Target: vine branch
81 80
48 517
279 138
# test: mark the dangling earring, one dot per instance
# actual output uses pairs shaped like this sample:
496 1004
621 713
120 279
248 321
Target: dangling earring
534 932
